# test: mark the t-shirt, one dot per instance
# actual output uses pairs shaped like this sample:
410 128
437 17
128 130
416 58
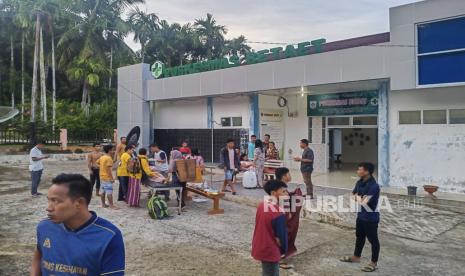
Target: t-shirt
270 224
159 156
368 188
105 162
96 248
35 165
250 150
231 154
122 169
306 166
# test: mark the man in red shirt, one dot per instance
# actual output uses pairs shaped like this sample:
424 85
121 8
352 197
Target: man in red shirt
270 238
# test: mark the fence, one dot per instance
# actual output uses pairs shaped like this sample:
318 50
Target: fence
90 136
13 136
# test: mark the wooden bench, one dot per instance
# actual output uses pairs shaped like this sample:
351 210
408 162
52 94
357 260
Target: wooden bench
272 164
213 196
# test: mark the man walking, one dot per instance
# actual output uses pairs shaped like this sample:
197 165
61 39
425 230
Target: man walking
74 240
106 176
366 193
94 168
231 164
251 147
306 166
36 167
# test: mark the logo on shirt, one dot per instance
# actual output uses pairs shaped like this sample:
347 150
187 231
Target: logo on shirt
47 243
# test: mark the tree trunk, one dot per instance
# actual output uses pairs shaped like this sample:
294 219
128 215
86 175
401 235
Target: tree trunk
53 83
85 90
43 88
22 76
34 72
12 72
111 67
85 97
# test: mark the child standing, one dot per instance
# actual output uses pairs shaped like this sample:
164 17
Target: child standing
270 239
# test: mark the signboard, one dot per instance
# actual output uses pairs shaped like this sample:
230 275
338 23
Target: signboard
157 69
351 103
303 48
271 115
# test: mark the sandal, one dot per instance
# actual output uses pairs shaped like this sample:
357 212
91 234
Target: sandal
285 266
347 259
369 268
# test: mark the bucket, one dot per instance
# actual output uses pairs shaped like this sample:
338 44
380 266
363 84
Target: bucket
412 190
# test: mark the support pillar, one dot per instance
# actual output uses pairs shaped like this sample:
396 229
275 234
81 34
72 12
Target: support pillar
254 124
383 134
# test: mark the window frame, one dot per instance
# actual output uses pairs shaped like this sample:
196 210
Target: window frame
448 116
418 55
418 110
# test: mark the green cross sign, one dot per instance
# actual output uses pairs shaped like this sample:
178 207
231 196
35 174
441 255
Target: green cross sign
157 69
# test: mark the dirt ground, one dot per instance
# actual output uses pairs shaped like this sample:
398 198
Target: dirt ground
198 244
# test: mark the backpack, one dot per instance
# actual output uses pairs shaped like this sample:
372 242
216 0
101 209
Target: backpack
158 209
134 165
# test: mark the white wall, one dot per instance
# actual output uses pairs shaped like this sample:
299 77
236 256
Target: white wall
187 114
424 154
232 106
356 153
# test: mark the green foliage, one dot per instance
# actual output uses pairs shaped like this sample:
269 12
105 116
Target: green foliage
72 117
89 44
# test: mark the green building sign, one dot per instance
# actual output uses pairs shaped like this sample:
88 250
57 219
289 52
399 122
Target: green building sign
351 103
302 49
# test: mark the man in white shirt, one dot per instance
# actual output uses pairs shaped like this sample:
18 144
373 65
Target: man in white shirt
36 167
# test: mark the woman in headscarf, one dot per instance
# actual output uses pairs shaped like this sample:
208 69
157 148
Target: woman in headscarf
177 155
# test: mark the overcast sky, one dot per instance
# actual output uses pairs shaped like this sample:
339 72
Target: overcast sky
288 21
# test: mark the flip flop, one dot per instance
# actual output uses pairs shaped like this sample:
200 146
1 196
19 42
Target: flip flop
347 259
285 266
369 268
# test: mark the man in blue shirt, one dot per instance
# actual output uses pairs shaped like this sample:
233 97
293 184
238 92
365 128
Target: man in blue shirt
366 193
251 147
74 240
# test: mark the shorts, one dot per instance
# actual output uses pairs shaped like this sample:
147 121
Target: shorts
106 187
228 175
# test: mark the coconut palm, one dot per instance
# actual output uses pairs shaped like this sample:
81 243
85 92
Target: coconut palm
144 25
211 36
89 72
236 46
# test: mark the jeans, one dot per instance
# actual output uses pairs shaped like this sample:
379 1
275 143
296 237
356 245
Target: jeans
123 187
35 179
367 230
307 176
95 178
270 269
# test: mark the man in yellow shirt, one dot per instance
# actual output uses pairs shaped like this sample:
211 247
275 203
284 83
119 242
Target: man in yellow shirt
123 174
106 176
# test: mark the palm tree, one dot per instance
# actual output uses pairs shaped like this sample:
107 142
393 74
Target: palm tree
87 71
211 36
144 26
236 46
89 39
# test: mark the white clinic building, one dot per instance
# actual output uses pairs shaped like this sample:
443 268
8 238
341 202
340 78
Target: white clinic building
396 99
